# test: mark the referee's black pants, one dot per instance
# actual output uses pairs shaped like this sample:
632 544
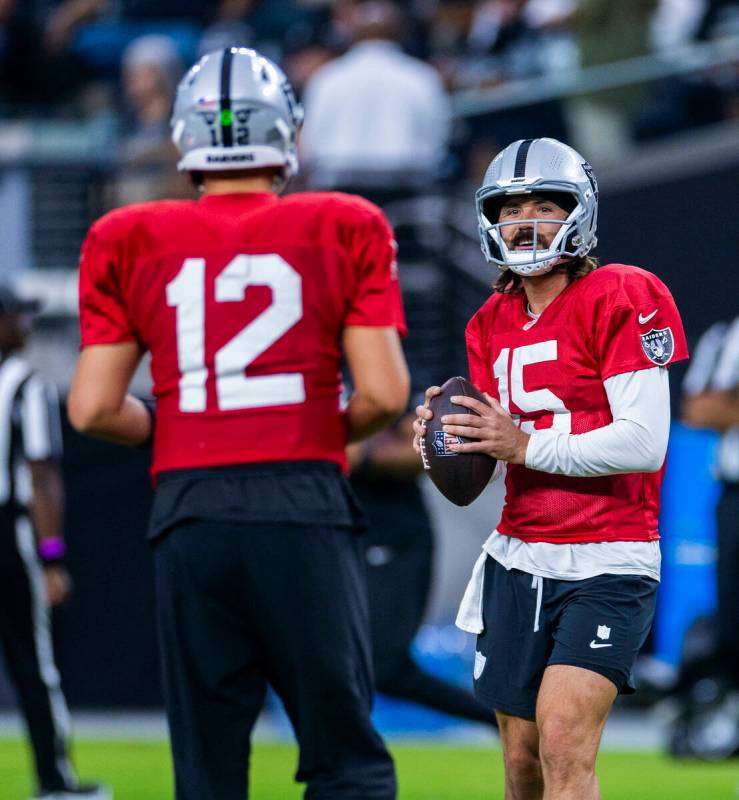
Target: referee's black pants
241 605
26 639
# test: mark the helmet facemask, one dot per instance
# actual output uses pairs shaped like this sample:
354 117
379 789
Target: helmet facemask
543 167
568 242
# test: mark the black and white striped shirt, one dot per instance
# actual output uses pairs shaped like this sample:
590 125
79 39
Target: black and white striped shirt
714 366
30 428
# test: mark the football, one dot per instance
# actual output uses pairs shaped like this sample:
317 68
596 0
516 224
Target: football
460 477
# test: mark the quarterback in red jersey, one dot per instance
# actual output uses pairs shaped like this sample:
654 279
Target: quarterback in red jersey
573 358
247 303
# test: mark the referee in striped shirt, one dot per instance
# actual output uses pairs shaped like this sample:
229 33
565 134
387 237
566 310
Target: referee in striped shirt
32 572
711 400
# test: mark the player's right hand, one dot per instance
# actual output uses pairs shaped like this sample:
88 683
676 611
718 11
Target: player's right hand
423 414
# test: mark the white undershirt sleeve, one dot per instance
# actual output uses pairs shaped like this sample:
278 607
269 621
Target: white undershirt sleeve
636 440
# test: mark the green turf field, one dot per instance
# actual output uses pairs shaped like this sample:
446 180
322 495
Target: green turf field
141 771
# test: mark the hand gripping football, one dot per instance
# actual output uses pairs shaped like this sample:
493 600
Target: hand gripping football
460 477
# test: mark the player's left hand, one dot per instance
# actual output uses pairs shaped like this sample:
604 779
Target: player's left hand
58 584
496 434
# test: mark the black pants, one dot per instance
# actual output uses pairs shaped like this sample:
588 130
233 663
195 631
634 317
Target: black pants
241 605
26 640
727 520
399 552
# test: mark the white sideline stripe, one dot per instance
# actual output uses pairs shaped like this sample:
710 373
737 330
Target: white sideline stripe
44 652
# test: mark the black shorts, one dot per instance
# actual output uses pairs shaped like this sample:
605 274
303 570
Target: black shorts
530 623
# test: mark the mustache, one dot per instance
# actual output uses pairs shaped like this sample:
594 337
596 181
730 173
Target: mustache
525 235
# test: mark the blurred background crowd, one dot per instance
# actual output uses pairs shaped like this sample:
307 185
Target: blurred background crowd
114 63
405 103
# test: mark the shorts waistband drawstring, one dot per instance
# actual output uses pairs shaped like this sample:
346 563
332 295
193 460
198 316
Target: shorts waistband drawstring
538 584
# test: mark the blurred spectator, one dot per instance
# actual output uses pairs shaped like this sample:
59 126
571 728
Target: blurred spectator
198 11
513 40
676 22
228 28
721 18
711 400
36 64
150 71
610 32
500 30
376 118
320 36
273 27
120 22
682 102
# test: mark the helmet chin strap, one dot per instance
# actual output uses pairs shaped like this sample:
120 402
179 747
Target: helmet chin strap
540 268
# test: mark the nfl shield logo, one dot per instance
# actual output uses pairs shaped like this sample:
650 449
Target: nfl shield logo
442 441
658 345
604 632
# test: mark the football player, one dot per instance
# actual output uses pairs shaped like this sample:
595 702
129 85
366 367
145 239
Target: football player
573 357
247 302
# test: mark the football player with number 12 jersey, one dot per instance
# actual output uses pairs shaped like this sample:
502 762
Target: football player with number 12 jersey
247 303
573 359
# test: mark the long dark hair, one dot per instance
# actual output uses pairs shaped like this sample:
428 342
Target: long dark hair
509 282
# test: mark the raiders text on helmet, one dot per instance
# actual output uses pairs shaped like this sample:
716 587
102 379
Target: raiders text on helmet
235 109
531 166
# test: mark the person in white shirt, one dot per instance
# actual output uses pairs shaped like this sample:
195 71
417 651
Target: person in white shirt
375 117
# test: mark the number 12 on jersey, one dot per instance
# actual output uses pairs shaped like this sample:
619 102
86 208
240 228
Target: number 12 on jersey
234 389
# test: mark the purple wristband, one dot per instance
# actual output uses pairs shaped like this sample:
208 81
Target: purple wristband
51 549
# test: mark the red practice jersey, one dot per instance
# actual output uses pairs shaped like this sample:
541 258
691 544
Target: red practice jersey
241 300
550 373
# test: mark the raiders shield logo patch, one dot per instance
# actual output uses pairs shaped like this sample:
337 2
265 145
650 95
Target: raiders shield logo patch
658 345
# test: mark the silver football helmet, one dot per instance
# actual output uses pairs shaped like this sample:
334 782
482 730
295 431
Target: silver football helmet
533 166
235 109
